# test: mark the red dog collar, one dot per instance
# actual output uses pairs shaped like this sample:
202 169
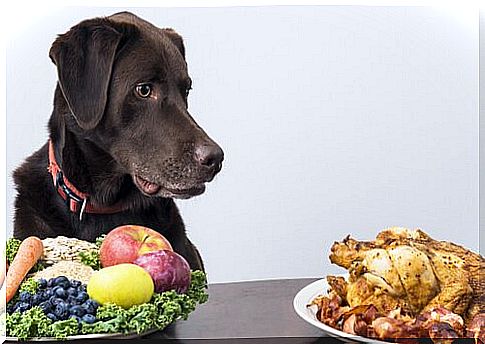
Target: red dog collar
76 201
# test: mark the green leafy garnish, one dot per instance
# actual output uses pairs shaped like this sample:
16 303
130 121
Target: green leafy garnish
62 329
100 239
11 249
31 323
34 323
30 285
91 258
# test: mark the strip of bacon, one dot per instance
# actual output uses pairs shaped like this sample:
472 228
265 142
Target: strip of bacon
476 328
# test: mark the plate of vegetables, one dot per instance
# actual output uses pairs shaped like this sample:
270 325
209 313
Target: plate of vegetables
128 284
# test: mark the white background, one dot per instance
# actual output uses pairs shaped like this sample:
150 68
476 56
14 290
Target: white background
334 120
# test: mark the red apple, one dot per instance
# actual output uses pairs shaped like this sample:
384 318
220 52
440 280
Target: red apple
126 243
169 270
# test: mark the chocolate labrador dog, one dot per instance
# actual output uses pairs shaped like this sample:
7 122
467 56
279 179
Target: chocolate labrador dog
122 144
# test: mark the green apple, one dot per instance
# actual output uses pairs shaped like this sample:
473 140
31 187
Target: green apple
125 285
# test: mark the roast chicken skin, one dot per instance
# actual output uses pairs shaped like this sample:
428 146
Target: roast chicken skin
408 269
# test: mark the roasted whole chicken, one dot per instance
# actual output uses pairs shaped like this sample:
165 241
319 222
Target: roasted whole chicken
408 269
405 284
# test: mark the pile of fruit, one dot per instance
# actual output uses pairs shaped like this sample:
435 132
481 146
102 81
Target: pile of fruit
139 284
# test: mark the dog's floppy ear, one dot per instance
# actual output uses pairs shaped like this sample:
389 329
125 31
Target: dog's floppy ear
176 39
84 59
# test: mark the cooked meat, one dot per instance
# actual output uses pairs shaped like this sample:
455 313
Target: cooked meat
408 269
338 285
330 309
355 325
442 333
439 324
363 292
425 320
389 328
476 328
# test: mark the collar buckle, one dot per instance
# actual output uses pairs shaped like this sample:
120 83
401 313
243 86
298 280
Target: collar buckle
70 196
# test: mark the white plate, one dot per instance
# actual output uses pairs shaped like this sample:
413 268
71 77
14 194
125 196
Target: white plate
306 296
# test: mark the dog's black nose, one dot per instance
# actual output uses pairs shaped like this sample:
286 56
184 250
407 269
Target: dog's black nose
210 156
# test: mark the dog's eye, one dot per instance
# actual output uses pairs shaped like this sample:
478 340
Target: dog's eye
143 90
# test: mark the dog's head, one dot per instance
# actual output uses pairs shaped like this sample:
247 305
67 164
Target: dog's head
126 84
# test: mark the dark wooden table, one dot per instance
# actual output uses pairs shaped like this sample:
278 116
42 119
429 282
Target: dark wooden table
243 312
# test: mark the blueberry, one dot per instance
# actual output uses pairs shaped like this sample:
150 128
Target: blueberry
46 306
71 300
90 306
36 299
75 283
77 310
56 288
48 293
62 281
10 308
50 282
42 283
82 296
61 311
44 295
15 307
64 285
22 306
88 318
60 292
55 300
82 287
25 296
52 316
63 304
71 291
